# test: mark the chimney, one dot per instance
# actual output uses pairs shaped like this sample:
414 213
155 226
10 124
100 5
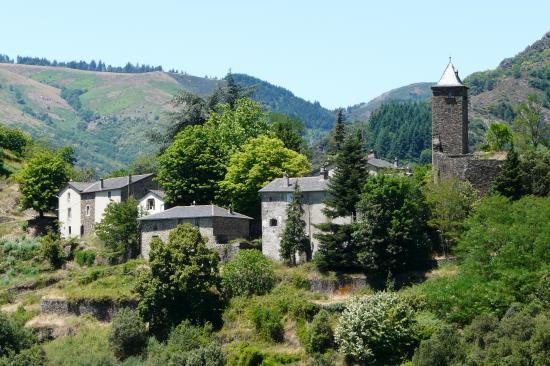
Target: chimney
324 173
395 162
101 183
286 180
372 154
212 209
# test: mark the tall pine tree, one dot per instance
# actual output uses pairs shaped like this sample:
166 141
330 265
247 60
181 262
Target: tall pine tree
338 133
294 238
350 175
510 181
337 248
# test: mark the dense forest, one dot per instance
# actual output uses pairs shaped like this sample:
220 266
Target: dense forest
401 130
80 65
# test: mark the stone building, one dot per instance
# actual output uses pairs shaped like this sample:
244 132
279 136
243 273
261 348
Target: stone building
82 204
275 198
216 224
450 156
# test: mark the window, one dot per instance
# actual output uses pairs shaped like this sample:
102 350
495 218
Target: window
68 196
270 198
87 210
273 222
69 230
151 204
81 230
69 212
109 194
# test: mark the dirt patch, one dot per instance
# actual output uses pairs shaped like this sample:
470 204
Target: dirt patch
50 326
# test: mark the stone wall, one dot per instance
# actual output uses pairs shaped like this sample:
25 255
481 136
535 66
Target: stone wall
450 119
139 189
479 172
103 310
87 221
226 229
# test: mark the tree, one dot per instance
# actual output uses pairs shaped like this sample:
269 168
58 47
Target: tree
51 249
14 140
321 336
499 136
377 330
391 235
261 160
531 122
445 348
182 282
190 110
119 229
294 239
14 337
509 182
451 201
190 169
41 179
344 188
248 273
338 133
128 334
289 130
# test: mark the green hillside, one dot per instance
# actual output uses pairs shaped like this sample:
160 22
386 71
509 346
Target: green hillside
106 116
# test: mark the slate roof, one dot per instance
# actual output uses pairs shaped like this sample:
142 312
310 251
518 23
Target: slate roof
450 77
108 184
188 212
306 184
158 193
380 163
79 186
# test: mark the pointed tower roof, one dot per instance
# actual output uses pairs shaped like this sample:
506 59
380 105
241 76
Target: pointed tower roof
450 77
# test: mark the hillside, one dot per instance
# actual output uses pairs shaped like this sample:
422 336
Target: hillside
414 92
106 116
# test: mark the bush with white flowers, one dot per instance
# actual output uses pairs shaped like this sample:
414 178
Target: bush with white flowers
377 329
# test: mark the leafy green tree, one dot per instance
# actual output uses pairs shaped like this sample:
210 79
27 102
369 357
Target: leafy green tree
182 283
509 182
14 140
392 233
190 110
190 169
294 239
338 134
535 168
289 130
499 136
41 179
531 123
450 201
248 273
261 160
144 164
377 330
119 229
34 356
445 348
128 334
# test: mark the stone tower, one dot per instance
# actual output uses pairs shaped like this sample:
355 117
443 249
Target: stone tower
450 114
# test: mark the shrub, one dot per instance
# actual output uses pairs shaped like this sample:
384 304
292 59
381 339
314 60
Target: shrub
326 359
14 139
376 328
445 347
248 273
268 323
13 336
85 257
34 356
321 336
128 334
119 229
245 355
52 250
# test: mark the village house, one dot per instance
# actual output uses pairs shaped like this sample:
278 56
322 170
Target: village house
153 202
82 204
217 225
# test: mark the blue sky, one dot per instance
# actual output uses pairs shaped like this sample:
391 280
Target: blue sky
336 52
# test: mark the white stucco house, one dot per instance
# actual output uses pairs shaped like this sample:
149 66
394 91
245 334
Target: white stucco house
153 202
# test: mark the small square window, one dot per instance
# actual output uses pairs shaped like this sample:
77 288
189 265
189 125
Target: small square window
109 194
273 222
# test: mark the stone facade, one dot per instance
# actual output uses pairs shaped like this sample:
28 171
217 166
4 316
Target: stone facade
87 217
216 230
274 206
